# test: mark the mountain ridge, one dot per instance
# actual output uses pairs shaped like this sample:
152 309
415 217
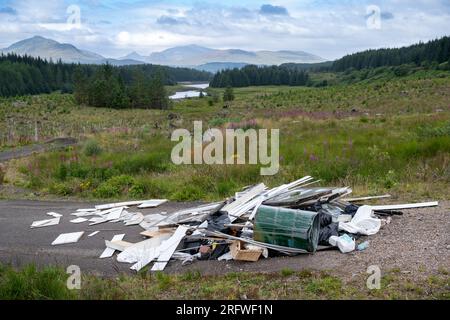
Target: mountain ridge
191 56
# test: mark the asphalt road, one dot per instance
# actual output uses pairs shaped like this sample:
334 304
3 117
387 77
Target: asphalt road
417 242
20 245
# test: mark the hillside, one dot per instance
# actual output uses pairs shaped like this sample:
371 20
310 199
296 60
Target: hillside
437 51
50 49
194 55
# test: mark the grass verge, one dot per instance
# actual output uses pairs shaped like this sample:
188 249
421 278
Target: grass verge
50 283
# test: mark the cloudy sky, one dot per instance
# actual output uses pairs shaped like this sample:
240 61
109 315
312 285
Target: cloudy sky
329 29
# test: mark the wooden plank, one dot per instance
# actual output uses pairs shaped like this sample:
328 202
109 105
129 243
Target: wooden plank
118 245
156 233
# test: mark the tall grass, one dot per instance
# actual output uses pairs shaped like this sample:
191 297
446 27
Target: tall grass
29 283
383 136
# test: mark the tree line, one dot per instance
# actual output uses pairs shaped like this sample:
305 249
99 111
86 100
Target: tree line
112 87
437 51
23 75
20 75
252 75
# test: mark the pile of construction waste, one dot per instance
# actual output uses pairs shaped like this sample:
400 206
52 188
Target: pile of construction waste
257 222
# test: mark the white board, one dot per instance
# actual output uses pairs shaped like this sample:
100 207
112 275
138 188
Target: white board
54 214
152 203
168 248
78 220
108 252
120 204
45 223
68 238
406 206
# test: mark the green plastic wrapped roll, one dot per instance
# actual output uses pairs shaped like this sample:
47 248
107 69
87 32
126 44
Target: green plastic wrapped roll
287 227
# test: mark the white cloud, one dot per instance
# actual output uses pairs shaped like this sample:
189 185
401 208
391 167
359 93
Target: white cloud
327 28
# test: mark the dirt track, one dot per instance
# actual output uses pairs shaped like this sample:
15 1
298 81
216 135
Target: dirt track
417 243
36 148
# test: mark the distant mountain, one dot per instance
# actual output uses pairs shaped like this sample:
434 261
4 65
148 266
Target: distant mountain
193 55
51 49
214 67
120 62
134 56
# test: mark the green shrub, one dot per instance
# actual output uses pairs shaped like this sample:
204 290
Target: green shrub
143 162
390 179
189 193
225 188
106 190
158 188
2 173
138 190
61 172
115 187
61 189
91 148
434 131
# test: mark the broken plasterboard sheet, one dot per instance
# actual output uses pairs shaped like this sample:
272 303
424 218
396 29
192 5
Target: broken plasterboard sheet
45 223
126 216
163 251
79 220
139 250
108 252
81 214
244 198
66 238
118 245
107 211
115 214
120 204
97 220
54 214
168 248
87 210
135 220
152 220
152 203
